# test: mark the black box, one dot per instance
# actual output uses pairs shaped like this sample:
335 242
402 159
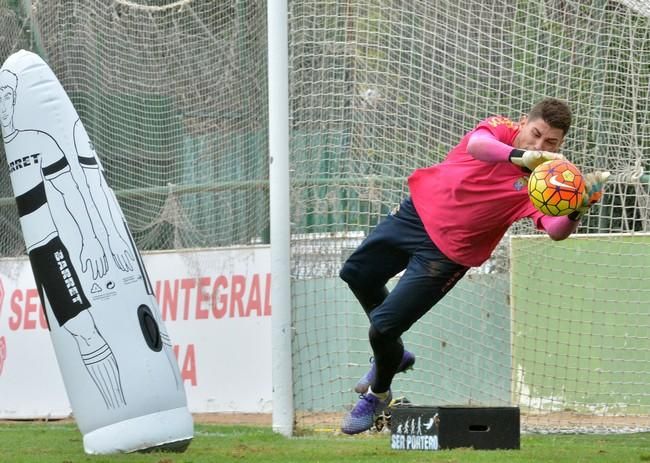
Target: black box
447 427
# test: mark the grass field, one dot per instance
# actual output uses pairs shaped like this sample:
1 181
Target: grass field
57 442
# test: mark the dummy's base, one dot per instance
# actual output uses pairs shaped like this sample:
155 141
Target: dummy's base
169 430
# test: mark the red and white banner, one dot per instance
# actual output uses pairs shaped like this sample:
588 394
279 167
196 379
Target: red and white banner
216 306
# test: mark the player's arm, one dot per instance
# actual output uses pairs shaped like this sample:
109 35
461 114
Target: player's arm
92 251
119 248
483 145
559 228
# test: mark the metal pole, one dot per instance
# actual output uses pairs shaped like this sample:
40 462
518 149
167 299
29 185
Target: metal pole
281 330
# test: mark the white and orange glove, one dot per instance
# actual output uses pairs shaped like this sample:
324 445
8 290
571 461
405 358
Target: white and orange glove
594 183
531 159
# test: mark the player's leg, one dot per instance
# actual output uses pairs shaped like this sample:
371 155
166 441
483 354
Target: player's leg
381 256
98 358
388 351
428 277
377 259
71 312
406 363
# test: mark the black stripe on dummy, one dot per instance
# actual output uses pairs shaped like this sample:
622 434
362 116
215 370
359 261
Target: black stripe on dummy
31 200
58 166
88 162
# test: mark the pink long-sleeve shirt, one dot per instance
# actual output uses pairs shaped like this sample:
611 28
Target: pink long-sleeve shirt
467 204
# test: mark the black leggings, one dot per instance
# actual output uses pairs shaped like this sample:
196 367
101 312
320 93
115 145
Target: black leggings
398 243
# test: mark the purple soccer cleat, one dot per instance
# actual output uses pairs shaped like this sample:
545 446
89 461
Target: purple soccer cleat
408 359
362 416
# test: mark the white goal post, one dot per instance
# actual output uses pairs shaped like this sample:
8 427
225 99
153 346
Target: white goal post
282 332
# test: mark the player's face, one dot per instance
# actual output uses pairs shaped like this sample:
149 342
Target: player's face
535 134
6 105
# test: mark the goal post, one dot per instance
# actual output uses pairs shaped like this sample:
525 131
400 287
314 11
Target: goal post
282 332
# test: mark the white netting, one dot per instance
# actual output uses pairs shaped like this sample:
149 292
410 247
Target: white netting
174 96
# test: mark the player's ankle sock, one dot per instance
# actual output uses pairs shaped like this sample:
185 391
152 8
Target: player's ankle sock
103 369
388 351
380 395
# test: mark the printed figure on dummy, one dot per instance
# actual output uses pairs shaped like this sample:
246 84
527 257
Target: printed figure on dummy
55 277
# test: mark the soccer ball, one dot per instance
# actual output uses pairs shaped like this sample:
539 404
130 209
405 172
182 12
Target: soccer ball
556 187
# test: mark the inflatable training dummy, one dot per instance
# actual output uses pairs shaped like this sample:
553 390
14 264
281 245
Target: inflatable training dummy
111 345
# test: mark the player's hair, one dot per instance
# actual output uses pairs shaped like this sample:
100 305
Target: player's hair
554 112
8 79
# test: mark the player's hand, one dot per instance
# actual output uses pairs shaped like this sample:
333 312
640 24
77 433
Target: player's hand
122 255
594 183
92 255
531 159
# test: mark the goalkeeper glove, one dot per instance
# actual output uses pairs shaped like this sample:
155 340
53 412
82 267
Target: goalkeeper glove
531 159
594 183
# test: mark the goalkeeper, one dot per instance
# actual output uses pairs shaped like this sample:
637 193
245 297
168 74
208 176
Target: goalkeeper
455 216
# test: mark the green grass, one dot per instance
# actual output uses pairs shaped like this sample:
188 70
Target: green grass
62 443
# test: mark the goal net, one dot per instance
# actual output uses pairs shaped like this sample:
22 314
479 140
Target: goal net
172 93
381 88
174 96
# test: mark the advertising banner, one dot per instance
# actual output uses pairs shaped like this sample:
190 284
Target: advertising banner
217 310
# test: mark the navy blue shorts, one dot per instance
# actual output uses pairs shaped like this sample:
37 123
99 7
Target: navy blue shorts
400 242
